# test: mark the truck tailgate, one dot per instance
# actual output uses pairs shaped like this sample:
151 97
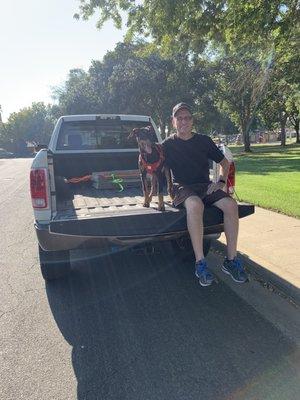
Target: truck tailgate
118 214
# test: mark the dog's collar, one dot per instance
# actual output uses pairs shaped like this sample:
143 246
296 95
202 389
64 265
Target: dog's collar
153 167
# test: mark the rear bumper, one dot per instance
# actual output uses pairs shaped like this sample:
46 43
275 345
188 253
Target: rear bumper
50 241
54 242
127 230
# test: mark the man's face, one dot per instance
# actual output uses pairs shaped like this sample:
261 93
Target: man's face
183 122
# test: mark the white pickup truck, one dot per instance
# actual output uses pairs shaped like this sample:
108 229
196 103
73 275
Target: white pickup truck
86 193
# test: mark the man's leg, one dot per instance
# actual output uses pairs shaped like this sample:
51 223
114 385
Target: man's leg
194 215
194 212
232 265
231 224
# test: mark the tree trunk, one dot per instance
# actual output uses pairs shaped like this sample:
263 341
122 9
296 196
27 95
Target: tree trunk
246 120
297 131
246 137
162 127
169 129
295 122
283 119
247 142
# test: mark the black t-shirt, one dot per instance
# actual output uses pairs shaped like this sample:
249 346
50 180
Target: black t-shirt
189 159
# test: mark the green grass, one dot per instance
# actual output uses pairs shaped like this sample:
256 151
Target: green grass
269 177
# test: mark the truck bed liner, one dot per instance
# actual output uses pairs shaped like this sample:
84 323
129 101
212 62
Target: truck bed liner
91 203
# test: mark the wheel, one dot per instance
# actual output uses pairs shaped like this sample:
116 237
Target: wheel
206 246
183 247
54 264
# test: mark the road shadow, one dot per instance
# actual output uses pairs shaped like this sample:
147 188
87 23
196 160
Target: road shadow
141 327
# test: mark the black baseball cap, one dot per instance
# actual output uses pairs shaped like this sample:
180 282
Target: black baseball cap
181 106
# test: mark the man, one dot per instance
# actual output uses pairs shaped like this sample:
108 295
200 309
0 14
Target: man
187 154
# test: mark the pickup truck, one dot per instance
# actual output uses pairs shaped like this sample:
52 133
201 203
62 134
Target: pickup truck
86 193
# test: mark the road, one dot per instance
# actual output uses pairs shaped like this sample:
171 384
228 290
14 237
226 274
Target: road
128 326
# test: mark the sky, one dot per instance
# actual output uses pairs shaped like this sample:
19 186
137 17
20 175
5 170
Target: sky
40 42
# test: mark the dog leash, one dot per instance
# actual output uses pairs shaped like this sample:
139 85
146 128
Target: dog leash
117 181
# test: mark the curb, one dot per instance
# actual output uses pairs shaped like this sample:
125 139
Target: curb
264 276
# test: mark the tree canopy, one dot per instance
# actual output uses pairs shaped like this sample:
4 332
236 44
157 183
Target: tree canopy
252 39
235 61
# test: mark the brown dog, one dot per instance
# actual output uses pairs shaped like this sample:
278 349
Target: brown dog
152 162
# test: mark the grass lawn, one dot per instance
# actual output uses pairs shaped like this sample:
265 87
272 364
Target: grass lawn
269 177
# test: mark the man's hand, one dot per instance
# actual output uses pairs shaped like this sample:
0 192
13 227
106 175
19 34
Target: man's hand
213 187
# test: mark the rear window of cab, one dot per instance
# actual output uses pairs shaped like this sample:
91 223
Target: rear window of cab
95 135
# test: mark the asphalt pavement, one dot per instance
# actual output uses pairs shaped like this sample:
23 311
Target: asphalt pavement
134 326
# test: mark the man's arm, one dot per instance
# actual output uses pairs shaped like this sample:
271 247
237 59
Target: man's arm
224 169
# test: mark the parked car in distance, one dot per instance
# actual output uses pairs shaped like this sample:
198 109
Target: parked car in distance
6 154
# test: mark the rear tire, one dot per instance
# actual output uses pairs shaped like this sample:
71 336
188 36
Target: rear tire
183 247
206 246
54 264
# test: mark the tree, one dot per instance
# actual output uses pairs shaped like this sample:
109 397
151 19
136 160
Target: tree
223 29
2 129
281 103
132 79
208 116
77 95
274 113
293 107
33 124
241 86
194 24
150 85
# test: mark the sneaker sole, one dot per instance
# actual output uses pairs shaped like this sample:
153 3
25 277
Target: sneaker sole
203 284
232 277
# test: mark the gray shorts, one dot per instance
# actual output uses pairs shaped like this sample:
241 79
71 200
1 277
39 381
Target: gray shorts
182 192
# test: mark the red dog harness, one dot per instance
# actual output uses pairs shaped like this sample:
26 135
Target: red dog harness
151 168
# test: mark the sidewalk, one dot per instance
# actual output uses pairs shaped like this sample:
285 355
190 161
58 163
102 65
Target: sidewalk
269 244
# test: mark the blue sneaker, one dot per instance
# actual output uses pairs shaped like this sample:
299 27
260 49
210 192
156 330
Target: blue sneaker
206 278
235 269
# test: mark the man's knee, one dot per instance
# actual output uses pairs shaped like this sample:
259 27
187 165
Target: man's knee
194 204
228 205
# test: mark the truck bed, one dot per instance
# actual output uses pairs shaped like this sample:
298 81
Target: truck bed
93 203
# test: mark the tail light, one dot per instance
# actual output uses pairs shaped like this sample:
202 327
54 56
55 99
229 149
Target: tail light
39 188
231 178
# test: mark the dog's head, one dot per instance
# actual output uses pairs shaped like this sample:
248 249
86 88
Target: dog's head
145 137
